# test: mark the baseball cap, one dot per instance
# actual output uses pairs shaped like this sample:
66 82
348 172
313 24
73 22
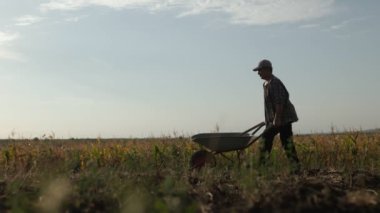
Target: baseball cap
263 64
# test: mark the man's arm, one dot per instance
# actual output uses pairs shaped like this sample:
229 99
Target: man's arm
280 96
277 117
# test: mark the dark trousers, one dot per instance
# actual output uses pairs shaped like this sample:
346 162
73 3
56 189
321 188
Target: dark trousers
286 136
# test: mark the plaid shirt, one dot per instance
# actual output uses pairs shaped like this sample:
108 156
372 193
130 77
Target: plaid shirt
275 93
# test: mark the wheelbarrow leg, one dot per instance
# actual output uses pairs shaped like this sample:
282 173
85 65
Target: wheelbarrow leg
238 153
225 156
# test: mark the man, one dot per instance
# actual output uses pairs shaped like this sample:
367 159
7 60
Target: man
279 116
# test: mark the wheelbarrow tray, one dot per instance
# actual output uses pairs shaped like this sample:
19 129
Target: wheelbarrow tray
223 142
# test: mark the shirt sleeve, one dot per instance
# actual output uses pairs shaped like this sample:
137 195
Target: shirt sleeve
279 93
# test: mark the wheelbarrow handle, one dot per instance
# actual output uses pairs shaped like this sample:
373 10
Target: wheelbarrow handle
253 138
257 127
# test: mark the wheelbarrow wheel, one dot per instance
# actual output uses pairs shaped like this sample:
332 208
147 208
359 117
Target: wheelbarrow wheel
200 158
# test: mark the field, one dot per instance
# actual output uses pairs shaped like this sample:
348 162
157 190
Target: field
340 173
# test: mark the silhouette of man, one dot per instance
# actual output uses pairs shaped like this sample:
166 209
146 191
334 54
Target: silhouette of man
279 116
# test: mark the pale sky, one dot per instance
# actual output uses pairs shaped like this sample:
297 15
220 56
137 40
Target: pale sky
140 68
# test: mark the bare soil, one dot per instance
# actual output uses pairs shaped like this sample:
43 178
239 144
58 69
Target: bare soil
311 191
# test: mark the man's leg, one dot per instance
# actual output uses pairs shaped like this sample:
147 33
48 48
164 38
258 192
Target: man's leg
286 136
266 143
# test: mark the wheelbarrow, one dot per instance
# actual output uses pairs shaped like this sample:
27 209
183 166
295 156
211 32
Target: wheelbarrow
218 143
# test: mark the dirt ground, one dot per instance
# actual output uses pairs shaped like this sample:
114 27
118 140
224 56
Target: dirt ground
312 191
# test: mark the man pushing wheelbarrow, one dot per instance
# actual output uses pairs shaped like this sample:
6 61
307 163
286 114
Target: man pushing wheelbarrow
279 116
